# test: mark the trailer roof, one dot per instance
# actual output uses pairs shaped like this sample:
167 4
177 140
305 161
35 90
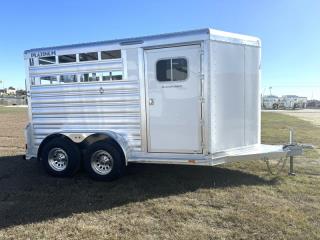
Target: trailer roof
212 33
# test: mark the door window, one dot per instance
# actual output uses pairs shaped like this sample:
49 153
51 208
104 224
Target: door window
179 69
173 69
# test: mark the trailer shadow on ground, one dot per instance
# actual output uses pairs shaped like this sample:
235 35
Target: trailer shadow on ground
29 195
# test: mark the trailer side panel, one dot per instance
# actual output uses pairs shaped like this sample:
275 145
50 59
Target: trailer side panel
95 107
235 102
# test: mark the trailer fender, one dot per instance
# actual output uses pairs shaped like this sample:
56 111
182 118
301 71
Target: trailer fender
114 137
85 139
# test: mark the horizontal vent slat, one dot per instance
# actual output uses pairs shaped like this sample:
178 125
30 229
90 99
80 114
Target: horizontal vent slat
85 87
125 131
88 99
79 121
82 110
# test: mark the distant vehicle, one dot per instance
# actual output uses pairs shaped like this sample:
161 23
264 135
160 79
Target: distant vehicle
293 102
284 102
159 99
270 102
313 104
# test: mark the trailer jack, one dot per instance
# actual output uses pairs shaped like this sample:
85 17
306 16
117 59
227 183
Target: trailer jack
291 171
292 149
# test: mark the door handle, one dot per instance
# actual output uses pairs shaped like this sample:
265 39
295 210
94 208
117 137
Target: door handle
101 90
151 101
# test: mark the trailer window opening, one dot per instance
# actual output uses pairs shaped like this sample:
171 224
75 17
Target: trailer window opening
48 80
68 78
117 75
174 69
67 58
92 56
31 62
105 76
89 77
47 60
114 75
110 54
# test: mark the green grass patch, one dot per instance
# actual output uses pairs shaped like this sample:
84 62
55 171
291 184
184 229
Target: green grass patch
275 129
232 201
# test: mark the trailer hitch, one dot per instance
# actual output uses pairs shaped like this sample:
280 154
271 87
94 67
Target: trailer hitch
292 149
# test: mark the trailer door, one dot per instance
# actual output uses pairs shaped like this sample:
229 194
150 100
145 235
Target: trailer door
173 77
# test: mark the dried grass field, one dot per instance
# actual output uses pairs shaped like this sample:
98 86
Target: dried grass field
234 201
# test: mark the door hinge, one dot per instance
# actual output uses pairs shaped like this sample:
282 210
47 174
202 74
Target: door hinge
202 100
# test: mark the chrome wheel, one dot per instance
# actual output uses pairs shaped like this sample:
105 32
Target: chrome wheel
101 162
58 159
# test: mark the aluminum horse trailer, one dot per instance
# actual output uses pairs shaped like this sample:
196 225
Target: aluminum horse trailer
180 98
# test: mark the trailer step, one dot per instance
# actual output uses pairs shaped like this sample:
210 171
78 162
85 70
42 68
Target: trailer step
252 152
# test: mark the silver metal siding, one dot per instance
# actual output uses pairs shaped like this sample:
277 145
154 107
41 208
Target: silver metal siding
84 107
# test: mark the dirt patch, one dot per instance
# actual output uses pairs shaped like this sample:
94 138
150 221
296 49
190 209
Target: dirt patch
310 115
12 124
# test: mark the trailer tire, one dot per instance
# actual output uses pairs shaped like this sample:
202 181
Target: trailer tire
275 107
104 161
60 157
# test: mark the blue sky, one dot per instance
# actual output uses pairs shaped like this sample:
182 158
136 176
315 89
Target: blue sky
289 29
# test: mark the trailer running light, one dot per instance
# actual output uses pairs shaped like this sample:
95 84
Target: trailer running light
133 42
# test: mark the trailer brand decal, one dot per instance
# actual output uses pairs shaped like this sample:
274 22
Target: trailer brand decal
172 86
43 54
